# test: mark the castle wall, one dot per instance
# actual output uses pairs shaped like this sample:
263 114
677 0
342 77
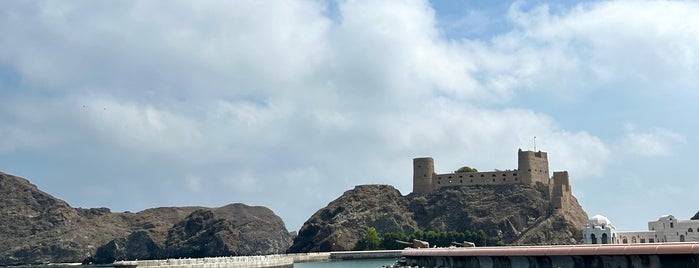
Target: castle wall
476 178
560 190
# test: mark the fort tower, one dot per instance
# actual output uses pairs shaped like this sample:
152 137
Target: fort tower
423 172
533 166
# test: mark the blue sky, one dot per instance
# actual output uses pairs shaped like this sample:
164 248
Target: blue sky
137 104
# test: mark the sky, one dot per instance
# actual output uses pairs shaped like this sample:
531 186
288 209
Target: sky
287 104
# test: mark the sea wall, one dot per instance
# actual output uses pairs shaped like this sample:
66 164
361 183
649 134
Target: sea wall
310 257
217 262
368 254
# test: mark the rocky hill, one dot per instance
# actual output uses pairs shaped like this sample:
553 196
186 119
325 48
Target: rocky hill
512 214
38 228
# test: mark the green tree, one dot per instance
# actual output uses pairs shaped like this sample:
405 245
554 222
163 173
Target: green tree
388 241
466 169
370 241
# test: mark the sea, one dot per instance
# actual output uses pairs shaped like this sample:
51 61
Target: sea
368 263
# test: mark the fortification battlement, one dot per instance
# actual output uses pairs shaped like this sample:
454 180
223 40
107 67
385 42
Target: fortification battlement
532 167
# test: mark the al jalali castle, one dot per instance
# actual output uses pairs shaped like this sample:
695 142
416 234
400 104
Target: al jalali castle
532 167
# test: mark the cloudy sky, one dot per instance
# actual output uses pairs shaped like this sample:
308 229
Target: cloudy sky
137 104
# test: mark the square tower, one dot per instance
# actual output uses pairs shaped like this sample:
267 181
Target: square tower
533 166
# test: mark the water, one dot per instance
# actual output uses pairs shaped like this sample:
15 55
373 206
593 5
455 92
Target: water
371 263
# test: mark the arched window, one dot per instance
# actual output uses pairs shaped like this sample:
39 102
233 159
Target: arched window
593 239
624 240
681 238
633 240
605 239
690 230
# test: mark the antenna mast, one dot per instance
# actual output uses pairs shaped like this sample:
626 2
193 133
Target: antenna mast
534 143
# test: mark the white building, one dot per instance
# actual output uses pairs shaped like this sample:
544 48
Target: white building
599 230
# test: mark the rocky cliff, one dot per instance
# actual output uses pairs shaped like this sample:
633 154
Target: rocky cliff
39 228
512 214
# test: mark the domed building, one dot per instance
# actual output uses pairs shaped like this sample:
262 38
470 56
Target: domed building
599 230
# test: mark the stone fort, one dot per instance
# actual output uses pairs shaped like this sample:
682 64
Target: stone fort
532 167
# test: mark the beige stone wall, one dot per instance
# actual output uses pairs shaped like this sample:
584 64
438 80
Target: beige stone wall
476 178
560 192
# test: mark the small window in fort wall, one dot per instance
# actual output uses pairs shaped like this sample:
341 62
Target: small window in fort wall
470 176
504 179
530 170
514 174
493 175
643 240
690 230
461 181
439 182
516 178
651 240
461 176
482 175
672 225
471 180
493 180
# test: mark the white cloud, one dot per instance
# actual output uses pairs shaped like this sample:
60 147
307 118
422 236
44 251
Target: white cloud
653 142
646 45
138 127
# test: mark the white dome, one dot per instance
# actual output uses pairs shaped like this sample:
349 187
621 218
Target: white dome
599 221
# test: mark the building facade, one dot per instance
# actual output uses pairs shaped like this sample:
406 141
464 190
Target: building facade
666 229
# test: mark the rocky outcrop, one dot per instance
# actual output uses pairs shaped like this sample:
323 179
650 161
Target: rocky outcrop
137 246
235 229
344 221
512 214
37 228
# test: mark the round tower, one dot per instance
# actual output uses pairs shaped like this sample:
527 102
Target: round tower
423 171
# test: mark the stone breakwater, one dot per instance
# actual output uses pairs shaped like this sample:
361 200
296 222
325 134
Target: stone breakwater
279 260
217 262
